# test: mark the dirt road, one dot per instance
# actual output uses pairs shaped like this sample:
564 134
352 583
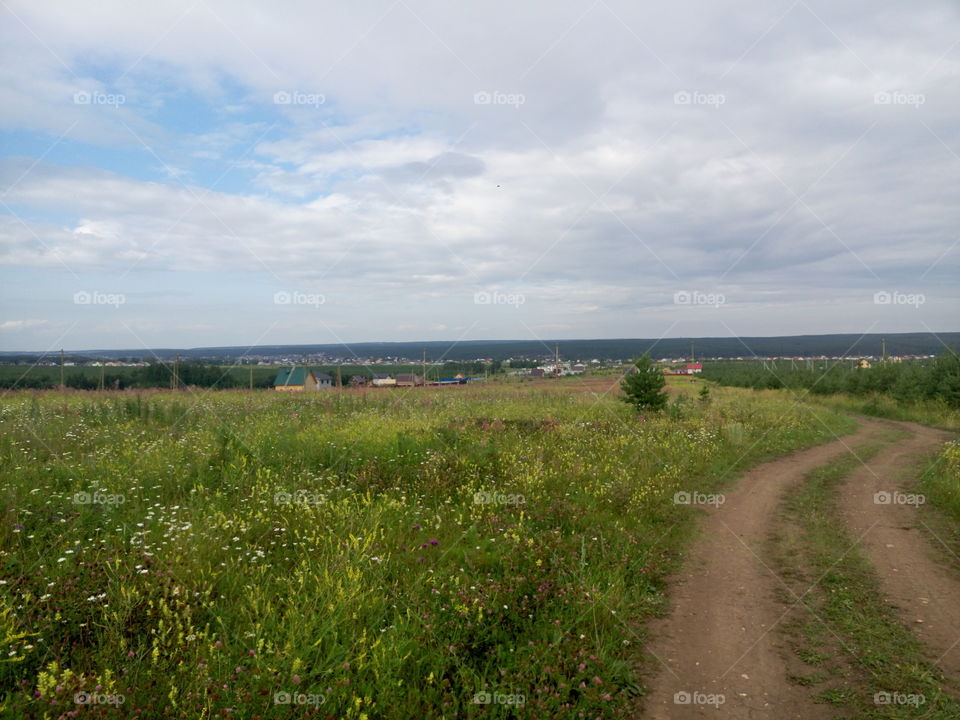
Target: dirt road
876 506
718 639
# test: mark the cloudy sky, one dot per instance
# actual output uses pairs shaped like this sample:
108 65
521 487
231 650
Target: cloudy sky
185 174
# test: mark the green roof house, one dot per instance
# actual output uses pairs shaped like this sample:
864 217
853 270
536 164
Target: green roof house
298 379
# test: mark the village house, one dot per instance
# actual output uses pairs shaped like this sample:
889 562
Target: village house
299 379
381 380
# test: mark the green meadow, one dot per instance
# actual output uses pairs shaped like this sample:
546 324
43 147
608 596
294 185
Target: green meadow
457 552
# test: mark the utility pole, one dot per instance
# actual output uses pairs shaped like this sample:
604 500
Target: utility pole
693 354
424 367
251 376
883 352
62 385
339 377
174 380
101 378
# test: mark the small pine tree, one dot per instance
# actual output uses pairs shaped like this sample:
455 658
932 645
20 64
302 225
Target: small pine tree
643 387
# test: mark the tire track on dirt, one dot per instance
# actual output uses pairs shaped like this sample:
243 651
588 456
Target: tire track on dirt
926 593
717 639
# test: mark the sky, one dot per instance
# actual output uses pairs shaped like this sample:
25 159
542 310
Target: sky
209 173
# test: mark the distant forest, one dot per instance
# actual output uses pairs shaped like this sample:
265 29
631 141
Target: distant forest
937 379
615 349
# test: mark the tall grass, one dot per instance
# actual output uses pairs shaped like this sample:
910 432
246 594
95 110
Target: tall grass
389 555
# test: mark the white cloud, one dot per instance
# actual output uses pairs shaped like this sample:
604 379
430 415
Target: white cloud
597 197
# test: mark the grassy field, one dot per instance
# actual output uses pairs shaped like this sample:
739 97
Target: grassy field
414 553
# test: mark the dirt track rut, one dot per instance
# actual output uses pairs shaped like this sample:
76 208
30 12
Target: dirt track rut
876 507
719 638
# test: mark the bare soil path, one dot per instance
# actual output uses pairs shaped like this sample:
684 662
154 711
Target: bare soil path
876 506
717 639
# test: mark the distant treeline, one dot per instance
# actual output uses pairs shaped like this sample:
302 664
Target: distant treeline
614 348
193 374
937 379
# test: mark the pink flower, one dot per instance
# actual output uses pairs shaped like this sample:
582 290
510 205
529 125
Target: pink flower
296 679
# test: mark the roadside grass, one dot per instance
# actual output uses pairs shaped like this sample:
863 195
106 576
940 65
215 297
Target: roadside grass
217 554
925 412
856 654
939 517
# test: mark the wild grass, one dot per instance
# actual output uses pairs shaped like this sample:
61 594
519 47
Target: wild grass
380 555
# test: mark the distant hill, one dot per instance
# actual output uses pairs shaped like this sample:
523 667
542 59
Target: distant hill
613 349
